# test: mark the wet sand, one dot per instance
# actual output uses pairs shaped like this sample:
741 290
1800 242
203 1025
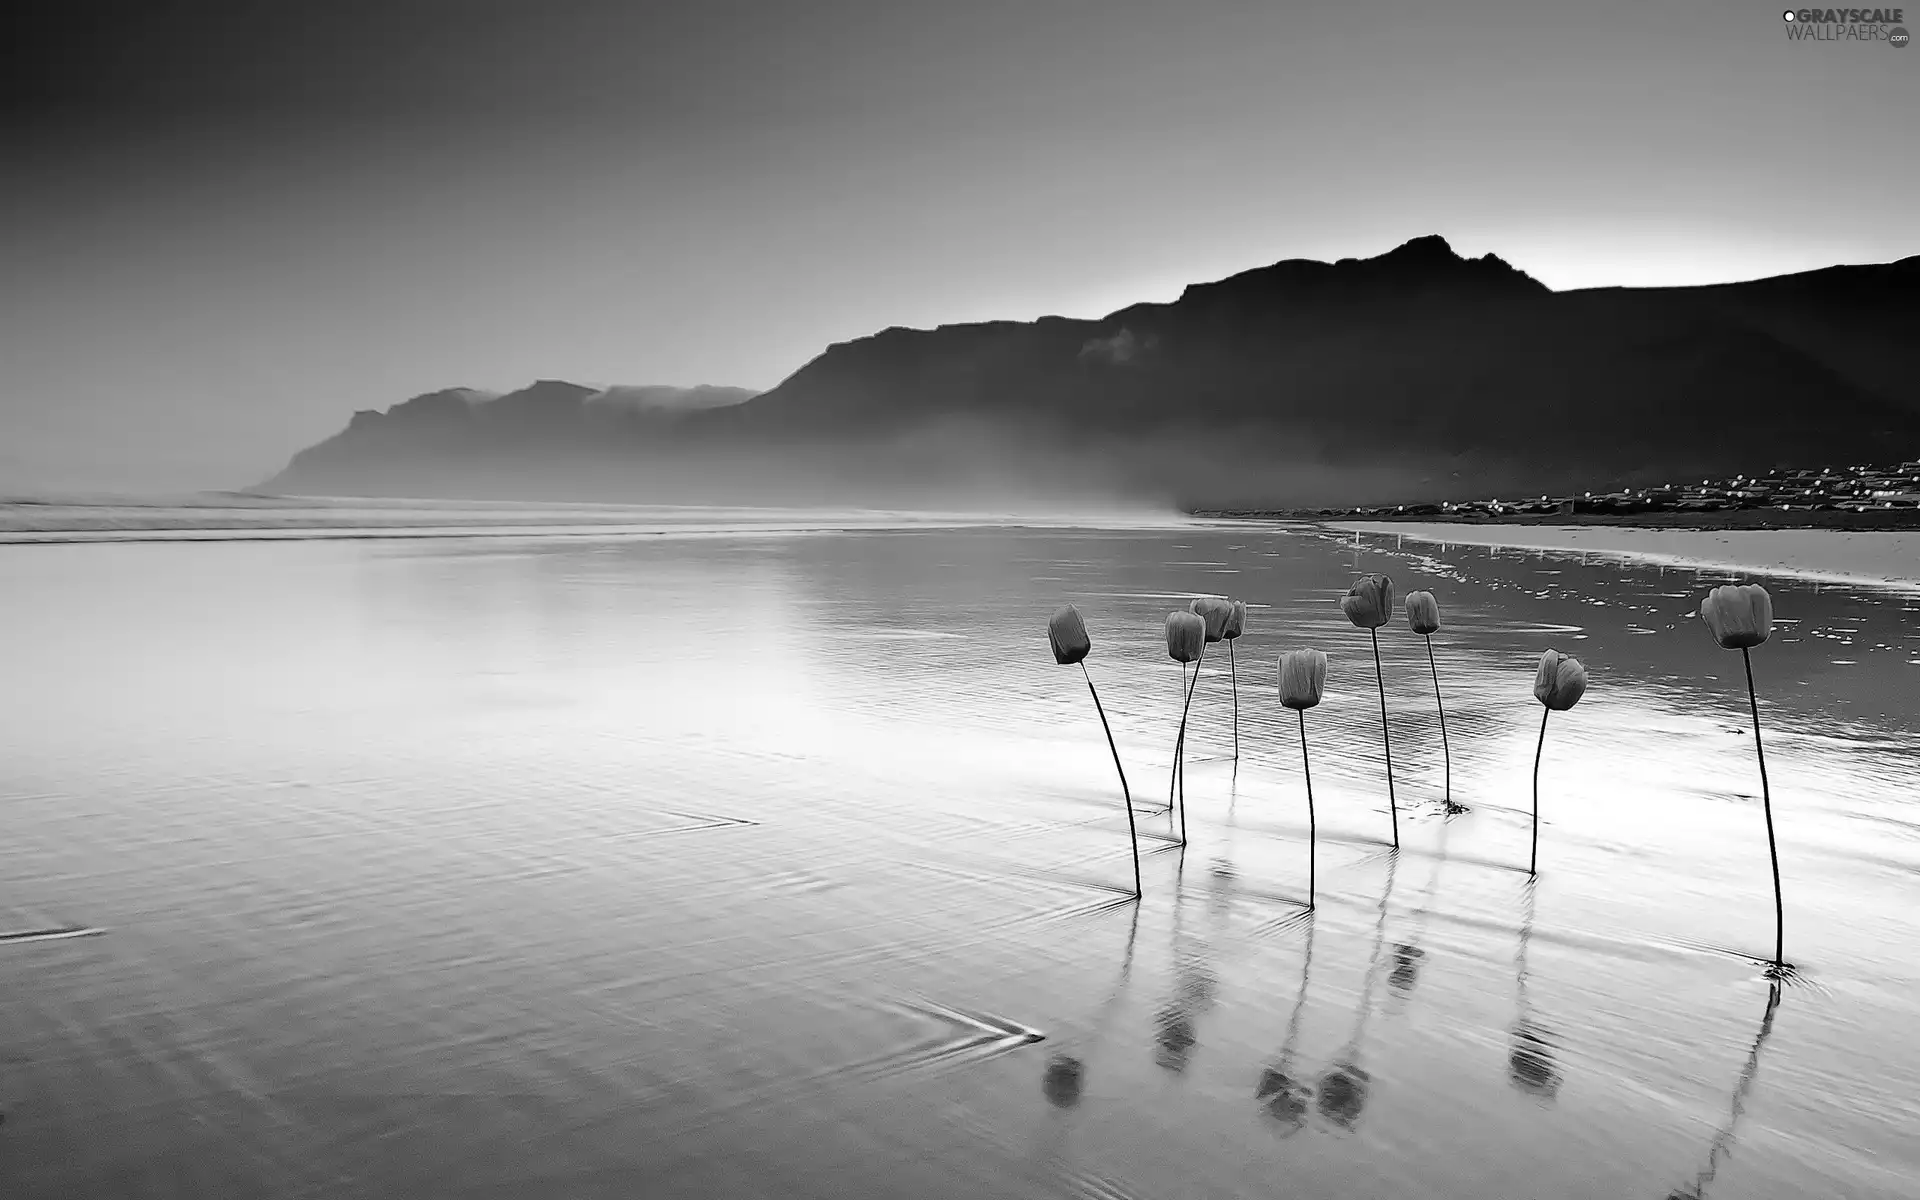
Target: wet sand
792 866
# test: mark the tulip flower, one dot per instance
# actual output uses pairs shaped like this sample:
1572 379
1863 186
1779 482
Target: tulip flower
1369 604
1558 686
1236 625
1214 610
1303 679
1186 637
1741 618
1423 617
1067 633
1186 643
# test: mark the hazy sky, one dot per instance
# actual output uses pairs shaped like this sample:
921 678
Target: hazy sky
224 225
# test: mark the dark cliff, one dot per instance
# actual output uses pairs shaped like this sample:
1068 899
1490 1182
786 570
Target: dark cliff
1418 374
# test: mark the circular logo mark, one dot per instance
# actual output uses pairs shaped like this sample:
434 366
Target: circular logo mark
1897 36
1787 15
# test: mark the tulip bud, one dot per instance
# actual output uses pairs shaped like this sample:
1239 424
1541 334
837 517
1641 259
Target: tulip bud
1186 637
1214 610
1561 682
1303 678
1369 603
1068 634
1423 612
1738 617
1236 621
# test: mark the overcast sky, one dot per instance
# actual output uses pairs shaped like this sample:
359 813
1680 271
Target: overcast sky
224 226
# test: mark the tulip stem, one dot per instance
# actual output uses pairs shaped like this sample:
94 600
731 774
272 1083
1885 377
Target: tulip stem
1313 837
1533 857
1179 749
1132 835
1446 754
1385 741
1234 667
1766 801
1180 744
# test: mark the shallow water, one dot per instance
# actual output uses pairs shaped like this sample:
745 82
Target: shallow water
790 866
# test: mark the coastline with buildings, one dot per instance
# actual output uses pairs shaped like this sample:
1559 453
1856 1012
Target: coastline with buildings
1831 497
1854 525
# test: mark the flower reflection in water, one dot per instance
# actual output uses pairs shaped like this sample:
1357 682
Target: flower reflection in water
1173 1038
1343 1094
1195 984
1530 1065
1406 968
1065 1077
1723 1141
1344 1088
1530 1062
1285 1095
1408 954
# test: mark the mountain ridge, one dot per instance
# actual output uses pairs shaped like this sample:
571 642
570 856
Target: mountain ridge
1299 381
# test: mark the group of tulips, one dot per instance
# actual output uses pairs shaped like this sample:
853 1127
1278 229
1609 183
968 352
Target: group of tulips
1739 618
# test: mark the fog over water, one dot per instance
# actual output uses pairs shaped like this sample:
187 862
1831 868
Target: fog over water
783 861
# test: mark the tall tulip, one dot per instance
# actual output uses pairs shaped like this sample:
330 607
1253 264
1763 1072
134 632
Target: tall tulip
1214 611
1235 626
1369 605
1558 686
1423 617
1186 643
1303 680
1741 618
1067 634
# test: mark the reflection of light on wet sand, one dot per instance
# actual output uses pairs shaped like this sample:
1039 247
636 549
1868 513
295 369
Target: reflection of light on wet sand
1881 558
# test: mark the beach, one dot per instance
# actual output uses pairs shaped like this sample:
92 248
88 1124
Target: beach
1882 558
784 861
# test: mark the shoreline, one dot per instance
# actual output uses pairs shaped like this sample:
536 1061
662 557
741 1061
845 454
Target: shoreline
1739 518
1873 557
